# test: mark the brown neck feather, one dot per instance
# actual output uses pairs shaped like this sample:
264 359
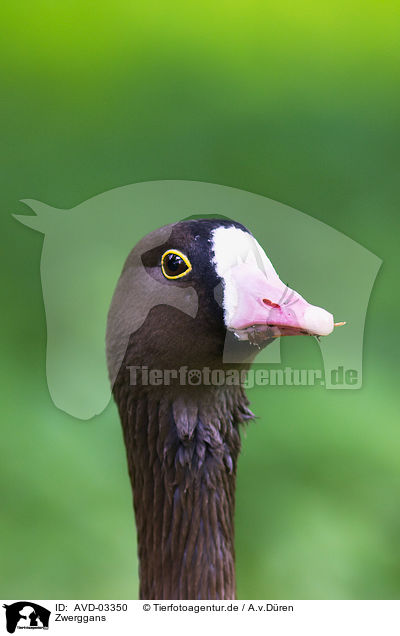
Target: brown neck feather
182 451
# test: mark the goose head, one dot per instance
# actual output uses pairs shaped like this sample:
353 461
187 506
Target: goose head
188 293
193 291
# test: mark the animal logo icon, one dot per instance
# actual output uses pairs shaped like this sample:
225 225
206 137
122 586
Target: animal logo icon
26 615
194 377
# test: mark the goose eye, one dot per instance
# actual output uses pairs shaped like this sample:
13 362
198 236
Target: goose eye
174 264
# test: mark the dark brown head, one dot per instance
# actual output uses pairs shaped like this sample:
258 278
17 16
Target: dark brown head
202 293
196 296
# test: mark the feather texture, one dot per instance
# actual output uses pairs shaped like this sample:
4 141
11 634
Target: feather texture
182 455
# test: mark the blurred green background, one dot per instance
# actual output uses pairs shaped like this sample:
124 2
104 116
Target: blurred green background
297 101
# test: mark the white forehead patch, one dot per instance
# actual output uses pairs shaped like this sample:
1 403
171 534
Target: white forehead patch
232 246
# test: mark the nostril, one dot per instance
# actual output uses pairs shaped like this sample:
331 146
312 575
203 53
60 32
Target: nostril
269 303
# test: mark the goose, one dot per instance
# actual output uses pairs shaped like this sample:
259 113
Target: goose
195 302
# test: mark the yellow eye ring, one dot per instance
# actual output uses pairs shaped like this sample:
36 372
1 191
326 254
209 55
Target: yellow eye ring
167 268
